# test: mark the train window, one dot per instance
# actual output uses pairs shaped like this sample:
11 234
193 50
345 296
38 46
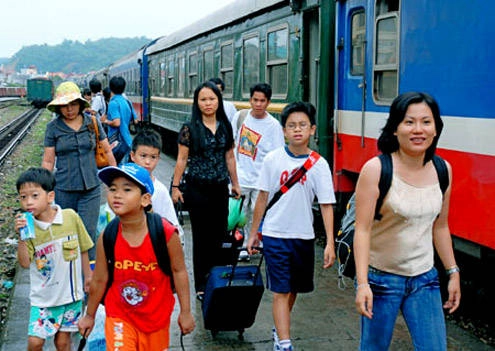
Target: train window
250 63
193 73
208 69
227 67
358 32
181 72
385 85
385 6
170 77
161 75
153 76
277 60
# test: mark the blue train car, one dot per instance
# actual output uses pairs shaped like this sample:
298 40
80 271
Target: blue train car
130 68
445 48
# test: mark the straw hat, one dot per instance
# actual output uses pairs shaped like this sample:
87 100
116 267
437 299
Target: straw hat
66 93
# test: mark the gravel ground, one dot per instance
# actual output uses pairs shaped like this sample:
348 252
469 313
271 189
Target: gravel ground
28 153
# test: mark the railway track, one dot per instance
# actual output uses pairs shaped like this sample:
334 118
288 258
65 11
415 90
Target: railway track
13 132
7 102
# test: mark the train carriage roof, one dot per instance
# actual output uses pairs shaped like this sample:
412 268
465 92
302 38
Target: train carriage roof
226 15
129 60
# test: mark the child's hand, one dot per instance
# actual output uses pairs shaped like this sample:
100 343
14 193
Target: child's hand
20 222
85 325
329 256
252 244
186 322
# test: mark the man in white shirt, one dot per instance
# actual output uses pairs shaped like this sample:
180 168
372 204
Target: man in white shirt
256 133
97 100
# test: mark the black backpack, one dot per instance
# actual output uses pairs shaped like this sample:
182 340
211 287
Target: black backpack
157 236
345 236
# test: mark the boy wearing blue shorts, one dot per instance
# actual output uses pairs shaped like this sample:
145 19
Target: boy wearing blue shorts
57 258
288 235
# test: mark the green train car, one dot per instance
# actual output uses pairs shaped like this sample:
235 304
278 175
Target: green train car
279 42
39 91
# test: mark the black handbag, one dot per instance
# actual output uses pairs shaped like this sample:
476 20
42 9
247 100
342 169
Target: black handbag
119 146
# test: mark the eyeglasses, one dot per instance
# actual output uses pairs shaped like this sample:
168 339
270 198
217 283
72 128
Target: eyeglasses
302 126
145 157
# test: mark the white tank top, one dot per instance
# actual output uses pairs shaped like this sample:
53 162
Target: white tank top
402 241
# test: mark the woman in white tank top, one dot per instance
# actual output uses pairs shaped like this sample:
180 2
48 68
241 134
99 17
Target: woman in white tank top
394 256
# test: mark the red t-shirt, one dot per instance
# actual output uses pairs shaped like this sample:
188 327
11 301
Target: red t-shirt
140 293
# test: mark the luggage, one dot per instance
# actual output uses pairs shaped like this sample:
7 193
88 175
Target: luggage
232 297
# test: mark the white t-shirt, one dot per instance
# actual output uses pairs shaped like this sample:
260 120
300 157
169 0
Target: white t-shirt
254 140
230 109
98 104
163 205
291 217
56 274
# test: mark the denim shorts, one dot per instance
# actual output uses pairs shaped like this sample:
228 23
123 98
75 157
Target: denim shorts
419 300
289 264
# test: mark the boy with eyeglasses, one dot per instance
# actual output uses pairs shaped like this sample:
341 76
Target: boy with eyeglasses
288 235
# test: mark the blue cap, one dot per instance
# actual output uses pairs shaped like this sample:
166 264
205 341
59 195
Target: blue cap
132 171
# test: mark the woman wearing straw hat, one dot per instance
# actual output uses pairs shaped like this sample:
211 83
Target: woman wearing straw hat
70 138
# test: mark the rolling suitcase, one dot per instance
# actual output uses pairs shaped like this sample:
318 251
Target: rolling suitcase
232 297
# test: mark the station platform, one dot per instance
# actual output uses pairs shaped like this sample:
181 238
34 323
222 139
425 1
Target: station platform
322 320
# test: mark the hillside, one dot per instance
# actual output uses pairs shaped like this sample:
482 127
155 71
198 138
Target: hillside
74 56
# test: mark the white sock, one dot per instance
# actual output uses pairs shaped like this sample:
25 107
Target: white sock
284 344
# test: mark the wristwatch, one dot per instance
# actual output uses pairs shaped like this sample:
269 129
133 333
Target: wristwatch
452 270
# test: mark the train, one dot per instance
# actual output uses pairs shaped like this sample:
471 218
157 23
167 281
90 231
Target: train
349 58
12 92
39 91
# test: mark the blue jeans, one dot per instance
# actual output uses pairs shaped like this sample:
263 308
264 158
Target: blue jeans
87 205
419 300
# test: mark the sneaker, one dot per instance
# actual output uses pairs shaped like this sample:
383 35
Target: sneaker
285 345
276 345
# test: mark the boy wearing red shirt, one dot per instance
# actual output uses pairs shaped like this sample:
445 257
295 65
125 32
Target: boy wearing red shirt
140 301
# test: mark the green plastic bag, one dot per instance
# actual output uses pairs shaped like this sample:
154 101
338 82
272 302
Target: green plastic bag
237 218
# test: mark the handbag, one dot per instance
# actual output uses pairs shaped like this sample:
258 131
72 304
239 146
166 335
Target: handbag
133 123
100 154
119 146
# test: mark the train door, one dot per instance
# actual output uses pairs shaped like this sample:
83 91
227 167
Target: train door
351 91
312 62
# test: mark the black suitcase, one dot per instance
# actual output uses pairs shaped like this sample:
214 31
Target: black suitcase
232 297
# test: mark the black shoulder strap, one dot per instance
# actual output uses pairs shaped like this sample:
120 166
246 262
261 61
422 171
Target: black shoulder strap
157 235
442 172
385 182
132 110
109 239
387 172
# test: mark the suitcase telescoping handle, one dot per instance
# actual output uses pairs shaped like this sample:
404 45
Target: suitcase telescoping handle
260 249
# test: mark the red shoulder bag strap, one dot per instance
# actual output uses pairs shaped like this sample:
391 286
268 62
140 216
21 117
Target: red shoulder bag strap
294 178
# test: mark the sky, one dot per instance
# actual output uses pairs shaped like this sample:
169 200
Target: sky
38 22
